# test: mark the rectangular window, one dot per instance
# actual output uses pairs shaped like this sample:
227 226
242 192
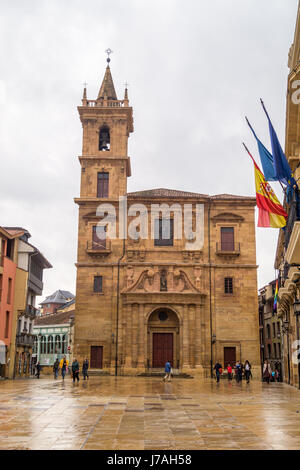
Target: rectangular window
227 238
274 330
10 249
99 238
6 325
278 327
9 290
97 283
279 350
102 184
268 331
163 232
228 281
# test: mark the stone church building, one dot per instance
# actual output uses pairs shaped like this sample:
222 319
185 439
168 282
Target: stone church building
143 300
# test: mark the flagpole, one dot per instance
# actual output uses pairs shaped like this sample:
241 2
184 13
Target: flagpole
250 127
264 108
246 148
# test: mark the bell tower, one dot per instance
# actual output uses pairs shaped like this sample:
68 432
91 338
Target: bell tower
107 123
105 166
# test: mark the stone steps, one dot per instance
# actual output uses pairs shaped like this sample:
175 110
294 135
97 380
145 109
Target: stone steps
97 372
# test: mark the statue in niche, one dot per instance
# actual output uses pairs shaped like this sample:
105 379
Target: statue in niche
163 281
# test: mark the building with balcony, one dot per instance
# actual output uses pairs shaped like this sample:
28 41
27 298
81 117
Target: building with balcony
161 292
30 264
54 336
288 247
271 336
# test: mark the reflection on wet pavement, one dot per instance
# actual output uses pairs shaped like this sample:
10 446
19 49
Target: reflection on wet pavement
146 413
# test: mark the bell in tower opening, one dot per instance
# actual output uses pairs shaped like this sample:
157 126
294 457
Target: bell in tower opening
104 139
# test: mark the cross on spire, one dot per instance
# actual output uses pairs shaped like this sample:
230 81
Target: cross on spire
108 52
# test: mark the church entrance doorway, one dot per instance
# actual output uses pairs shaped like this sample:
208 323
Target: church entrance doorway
163 338
162 349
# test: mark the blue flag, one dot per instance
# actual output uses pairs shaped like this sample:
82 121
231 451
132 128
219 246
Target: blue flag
282 168
267 161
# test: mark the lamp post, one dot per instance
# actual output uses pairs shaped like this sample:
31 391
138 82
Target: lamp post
296 307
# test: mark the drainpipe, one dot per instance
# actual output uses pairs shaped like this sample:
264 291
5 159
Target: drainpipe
118 281
210 303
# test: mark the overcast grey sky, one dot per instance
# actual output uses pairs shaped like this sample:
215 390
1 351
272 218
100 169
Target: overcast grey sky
195 68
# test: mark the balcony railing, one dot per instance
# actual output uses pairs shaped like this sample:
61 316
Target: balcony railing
31 311
104 103
228 248
25 339
101 247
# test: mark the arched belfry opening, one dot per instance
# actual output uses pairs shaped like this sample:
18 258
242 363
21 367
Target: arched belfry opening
163 338
104 138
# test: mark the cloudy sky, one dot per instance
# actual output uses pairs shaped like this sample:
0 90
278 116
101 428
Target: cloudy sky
194 69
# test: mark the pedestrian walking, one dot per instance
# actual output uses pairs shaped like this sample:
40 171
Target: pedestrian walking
218 369
267 371
239 371
75 370
247 369
38 370
64 366
229 372
55 368
85 368
167 371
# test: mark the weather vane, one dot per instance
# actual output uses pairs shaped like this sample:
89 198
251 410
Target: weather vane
108 52
126 84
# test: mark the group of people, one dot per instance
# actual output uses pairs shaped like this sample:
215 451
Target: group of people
239 369
270 375
63 365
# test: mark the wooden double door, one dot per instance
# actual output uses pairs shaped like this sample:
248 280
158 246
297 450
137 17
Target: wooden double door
229 357
162 349
96 357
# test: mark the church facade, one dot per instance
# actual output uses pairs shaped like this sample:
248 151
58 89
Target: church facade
161 274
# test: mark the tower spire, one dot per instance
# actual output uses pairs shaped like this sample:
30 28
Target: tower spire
107 89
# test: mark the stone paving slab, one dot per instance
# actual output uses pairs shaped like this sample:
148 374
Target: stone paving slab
139 413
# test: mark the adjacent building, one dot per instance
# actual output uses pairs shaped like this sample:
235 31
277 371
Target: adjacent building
8 268
54 336
157 295
288 247
54 301
270 328
22 281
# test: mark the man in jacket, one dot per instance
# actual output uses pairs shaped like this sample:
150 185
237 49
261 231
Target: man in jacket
167 371
85 367
75 370
55 368
218 369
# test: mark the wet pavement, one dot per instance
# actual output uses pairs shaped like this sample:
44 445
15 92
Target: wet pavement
146 413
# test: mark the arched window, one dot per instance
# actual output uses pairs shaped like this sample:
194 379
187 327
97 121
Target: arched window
269 351
35 345
43 345
57 344
50 345
104 138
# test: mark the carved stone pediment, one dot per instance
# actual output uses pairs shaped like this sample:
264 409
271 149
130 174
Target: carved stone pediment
155 280
227 217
